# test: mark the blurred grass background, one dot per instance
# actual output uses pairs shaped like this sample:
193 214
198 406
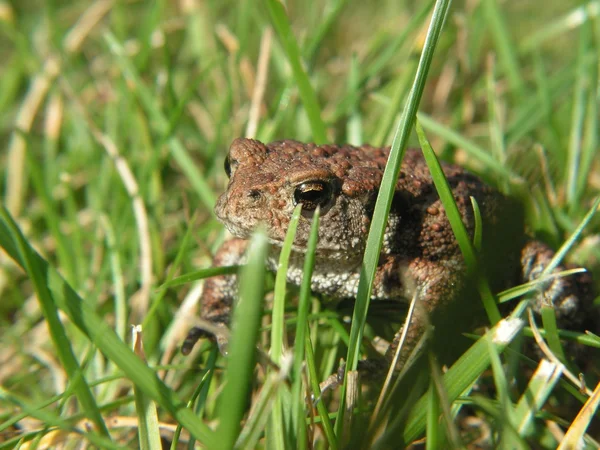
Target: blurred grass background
115 118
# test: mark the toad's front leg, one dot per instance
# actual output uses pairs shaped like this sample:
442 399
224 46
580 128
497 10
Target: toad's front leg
442 300
218 296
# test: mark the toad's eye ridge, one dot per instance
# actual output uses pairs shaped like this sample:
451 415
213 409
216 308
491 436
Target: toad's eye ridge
312 194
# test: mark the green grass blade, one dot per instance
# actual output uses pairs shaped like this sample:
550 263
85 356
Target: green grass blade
317 36
199 275
148 430
179 152
242 348
281 24
316 391
582 92
280 288
383 58
386 193
276 434
260 413
551 328
35 268
562 25
462 237
506 51
507 434
532 286
433 419
539 388
401 86
464 372
531 112
100 333
562 251
301 329
475 151
52 420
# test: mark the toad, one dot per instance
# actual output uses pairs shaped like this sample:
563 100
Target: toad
419 255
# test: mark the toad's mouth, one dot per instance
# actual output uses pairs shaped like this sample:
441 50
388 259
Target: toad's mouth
327 252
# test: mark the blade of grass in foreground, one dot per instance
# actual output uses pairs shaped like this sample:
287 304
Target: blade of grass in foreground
148 431
462 374
384 198
100 333
301 327
242 350
539 388
50 420
276 431
462 237
35 268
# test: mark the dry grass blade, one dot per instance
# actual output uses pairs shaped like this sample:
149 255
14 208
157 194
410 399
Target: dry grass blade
574 436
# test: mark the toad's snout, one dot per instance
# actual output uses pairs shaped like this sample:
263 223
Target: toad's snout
241 210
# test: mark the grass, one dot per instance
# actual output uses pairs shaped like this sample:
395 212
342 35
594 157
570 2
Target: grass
115 118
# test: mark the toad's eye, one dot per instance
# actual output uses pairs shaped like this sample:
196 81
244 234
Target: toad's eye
227 166
312 194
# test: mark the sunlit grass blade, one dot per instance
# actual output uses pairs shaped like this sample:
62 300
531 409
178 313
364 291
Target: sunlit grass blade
242 345
582 92
384 57
19 249
563 250
52 420
314 387
148 431
401 86
199 396
386 193
279 291
532 286
478 230
507 432
539 388
298 416
99 332
276 431
199 275
354 128
281 24
463 373
260 413
162 290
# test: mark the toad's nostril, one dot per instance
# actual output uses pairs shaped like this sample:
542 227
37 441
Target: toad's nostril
254 194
